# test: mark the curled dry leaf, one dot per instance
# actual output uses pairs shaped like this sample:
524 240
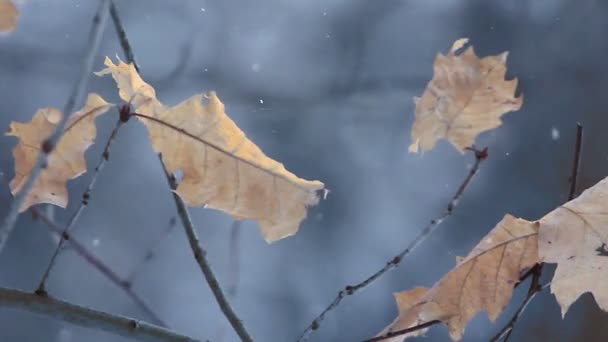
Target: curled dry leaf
483 281
575 236
466 96
8 16
66 160
222 168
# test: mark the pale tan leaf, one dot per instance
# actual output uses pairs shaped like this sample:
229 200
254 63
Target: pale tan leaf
467 96
222 168
575 236
8 16
405 301
66 160
483 281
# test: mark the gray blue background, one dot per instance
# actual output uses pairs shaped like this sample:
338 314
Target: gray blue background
325 87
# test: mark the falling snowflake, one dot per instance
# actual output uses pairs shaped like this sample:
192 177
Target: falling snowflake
554 133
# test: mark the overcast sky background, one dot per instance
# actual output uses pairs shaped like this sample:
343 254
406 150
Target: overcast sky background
326 88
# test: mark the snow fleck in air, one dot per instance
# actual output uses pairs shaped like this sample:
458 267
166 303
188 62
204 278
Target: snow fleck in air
206 69
203 9
554 133
64 335
507 154
327 35
324 14
261 101
255 67
95 242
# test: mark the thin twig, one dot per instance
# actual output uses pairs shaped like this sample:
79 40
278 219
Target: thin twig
536 271
480 156
234 251
99 22
197 250
86 196
395 333
151 251
88 318
201 260
98 264
122 36
576 161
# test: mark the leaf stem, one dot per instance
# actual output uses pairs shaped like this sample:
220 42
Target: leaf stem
480 156
99 22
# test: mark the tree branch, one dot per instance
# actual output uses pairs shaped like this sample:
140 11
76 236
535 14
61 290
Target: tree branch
99 22
203 263
83 203
98 264
88 318
395 333
537 270
197 250
151 251
480 156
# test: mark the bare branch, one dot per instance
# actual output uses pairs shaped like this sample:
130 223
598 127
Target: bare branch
122 36
98 264
197 250
480 156
99 22
86 196
201 260
537 270
88 318
234 250
151 251
395 333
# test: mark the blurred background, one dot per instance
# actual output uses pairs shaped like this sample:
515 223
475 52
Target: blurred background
326 88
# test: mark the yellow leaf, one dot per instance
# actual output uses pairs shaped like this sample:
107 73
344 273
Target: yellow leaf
66 160
222 168
466 96
8 16
483 281
575 236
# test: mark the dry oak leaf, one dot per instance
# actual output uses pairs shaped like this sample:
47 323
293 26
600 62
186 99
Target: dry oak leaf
8 16
483 281
466 96
575 236
222 168
66 160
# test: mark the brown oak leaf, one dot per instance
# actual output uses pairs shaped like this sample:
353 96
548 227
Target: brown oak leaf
574 236
8 16
222 168
483 281
466 96
65 162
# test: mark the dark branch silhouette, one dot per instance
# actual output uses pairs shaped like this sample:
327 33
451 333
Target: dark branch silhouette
480 156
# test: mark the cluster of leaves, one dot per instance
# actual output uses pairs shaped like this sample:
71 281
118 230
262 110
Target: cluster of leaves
223 169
